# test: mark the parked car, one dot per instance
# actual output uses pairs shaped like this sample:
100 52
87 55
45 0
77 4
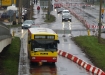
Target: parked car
27 24
59 10
66 16
4 15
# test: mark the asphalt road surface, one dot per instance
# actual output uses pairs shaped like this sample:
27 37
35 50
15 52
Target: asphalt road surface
63 66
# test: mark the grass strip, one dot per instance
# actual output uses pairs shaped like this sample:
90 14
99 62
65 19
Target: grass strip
50 18
14 26
10 58
94 50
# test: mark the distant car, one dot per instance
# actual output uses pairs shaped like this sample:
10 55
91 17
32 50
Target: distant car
57 5
59 10
66 16
65 12
27 24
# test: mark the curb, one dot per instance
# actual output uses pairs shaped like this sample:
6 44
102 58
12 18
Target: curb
82 63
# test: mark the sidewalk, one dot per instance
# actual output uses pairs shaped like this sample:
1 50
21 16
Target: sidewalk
39 18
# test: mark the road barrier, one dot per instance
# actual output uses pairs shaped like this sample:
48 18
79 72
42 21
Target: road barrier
57 5
83 21
82 63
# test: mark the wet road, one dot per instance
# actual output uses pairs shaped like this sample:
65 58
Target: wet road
63 66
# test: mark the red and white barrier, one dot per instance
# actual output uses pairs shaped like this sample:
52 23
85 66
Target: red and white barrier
81 19
95 26
77 4
82 63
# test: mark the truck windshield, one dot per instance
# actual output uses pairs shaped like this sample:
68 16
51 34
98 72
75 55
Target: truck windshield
44 45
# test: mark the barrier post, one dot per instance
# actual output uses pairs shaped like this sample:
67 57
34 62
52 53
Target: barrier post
13 33
64 33
88 32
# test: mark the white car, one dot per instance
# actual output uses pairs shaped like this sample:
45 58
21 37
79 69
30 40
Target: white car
66 16
27 24
65 12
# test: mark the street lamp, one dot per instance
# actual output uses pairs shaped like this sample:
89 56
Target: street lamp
20 12
49 8
100 24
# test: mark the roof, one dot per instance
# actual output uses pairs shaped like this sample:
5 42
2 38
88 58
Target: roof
65 10
41 30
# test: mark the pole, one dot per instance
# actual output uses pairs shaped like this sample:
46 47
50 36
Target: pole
64 33
19 16
100 24
28 11
49 4
43 9
21 10
14 15
10 21
31 9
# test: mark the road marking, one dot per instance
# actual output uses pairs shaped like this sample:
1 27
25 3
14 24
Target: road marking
70 26
63 25
17 34
97 19
23 34
103 24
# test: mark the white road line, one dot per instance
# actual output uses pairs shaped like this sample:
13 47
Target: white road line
63 25
23 34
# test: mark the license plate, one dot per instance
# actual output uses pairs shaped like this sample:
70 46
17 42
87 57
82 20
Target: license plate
44 60
66 19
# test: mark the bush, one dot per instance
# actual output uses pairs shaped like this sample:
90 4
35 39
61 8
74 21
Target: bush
51 19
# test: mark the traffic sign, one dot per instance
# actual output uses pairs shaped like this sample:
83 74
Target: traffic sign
102 10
